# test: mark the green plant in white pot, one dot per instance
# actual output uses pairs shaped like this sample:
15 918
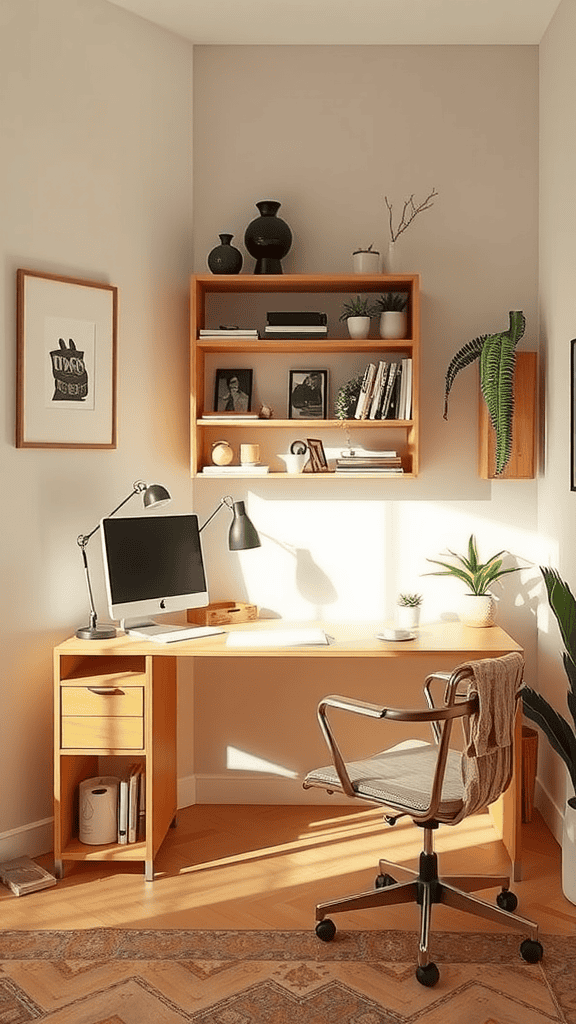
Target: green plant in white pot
408 610
479 602
393 314
560 733
357 313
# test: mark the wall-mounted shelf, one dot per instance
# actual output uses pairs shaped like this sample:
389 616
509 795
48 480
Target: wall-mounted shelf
244 299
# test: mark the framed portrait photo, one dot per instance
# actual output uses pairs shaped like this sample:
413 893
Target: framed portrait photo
308 394
65 362
233 391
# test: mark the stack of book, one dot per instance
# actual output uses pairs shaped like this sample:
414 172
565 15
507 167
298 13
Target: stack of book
132 805
364 461
228 332
24 875
386 392
294 323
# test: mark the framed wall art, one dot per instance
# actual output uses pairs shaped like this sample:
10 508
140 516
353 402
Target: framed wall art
233 391
308 394
317 462
66 362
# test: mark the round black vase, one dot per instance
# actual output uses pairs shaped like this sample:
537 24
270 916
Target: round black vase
225 258
268 238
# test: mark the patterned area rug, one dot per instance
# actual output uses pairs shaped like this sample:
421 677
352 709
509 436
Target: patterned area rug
114 976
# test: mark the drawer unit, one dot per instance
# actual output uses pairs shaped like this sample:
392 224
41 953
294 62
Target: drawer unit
103 701
102 717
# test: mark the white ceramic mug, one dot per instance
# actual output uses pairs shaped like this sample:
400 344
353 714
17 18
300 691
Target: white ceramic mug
294 463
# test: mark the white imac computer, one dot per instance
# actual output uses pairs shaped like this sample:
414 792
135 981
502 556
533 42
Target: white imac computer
153 564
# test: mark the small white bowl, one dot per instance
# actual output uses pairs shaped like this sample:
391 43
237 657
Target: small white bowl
393 633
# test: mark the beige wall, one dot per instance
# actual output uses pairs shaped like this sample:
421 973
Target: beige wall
95 182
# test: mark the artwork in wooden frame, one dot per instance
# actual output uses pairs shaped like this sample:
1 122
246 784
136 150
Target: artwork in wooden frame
308 394
233 391
66 362
317 463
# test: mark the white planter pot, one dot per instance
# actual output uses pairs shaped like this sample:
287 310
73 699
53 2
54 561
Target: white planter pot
407 617
569 852
366 262
358 326
478 610
393 324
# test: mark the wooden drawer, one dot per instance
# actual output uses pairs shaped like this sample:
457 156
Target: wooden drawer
99 733
119 701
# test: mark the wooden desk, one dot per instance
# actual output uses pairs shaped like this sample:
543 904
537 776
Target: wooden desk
118 697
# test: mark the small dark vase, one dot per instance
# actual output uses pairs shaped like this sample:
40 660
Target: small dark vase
268 238
225 258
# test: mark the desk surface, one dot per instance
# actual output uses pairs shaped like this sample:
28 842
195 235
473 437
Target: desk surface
350 639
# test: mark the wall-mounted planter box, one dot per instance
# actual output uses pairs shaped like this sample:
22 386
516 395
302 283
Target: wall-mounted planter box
522 463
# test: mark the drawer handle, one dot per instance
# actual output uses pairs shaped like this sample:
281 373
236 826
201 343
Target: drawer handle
105 691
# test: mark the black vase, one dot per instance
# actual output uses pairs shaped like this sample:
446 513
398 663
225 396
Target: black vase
225 258
268 238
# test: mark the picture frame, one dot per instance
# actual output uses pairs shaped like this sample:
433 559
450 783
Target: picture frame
317 462
236 398
66 361
308 394
573 415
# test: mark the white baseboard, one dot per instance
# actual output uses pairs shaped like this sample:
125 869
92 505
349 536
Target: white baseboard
552 815
27 841
247 789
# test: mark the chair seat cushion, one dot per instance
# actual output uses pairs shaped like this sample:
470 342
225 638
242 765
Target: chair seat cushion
400 777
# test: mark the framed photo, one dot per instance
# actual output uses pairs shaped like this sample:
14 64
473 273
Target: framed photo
317 461
308 394
65 362
573 415
233 391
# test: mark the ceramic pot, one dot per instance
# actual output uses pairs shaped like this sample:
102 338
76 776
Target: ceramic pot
407 616
366 262
225 258
569 851
478 610
358 326
393 323
391 258
268 238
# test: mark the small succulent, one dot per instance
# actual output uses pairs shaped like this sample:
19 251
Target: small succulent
392 302
410 600
359 306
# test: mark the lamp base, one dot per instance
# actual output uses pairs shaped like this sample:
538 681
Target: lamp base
96 632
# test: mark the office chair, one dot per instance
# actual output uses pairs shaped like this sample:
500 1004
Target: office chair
434 784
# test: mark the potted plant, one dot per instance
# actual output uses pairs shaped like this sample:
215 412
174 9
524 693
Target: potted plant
393 314
410 210
408 610
358 312
366 261
497 356
558 731
479 602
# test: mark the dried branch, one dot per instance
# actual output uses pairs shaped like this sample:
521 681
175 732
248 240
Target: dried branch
409 212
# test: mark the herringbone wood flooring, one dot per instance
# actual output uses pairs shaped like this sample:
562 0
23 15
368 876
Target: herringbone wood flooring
265 867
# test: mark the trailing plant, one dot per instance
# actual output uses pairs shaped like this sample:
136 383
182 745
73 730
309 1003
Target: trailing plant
478 576
410 600
347 399
497 356
358 306
410 210
560 733
392 302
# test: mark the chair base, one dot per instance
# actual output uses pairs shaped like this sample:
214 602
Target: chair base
426 888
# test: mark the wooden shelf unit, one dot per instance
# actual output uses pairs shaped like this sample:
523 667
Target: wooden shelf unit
113 707
250 293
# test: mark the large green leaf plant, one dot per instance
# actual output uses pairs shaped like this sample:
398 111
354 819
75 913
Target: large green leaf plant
497 356
477 575
559 732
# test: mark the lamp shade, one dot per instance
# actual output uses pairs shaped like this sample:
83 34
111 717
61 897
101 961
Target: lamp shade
155 496
243 534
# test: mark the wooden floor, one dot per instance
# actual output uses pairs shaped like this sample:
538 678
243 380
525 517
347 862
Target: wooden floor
264 867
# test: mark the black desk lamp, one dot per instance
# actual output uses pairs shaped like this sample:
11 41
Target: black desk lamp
242 534
153 496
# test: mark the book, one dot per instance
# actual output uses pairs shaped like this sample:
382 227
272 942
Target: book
374 471
386 401
133 801
289 317
297 329
225 332
235 470
366 453
378 390
123 810
365 392
368 463
23 875
222 415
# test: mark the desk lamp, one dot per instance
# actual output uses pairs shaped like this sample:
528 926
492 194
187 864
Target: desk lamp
242 534
153 496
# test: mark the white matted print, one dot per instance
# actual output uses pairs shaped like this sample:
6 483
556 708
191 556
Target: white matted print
66 362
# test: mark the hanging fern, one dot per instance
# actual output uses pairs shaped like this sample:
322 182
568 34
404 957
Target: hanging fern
497 356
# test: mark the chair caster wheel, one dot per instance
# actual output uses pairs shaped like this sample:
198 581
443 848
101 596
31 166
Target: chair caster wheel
507 900
382 881
326 930
428 975
531 951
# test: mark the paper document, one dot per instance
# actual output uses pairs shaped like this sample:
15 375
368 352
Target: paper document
277 638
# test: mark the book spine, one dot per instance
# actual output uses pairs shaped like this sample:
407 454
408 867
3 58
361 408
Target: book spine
278 317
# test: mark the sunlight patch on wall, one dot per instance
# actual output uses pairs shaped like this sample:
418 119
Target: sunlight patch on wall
241 760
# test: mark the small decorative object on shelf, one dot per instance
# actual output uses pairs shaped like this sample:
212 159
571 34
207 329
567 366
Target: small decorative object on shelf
410 210
357 313
393 314
408 610
222 453
479 602
366 261
497 356
225 258
266 412
222 613
317 462
268 238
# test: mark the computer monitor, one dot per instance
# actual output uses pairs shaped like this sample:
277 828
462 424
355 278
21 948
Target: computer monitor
152 564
